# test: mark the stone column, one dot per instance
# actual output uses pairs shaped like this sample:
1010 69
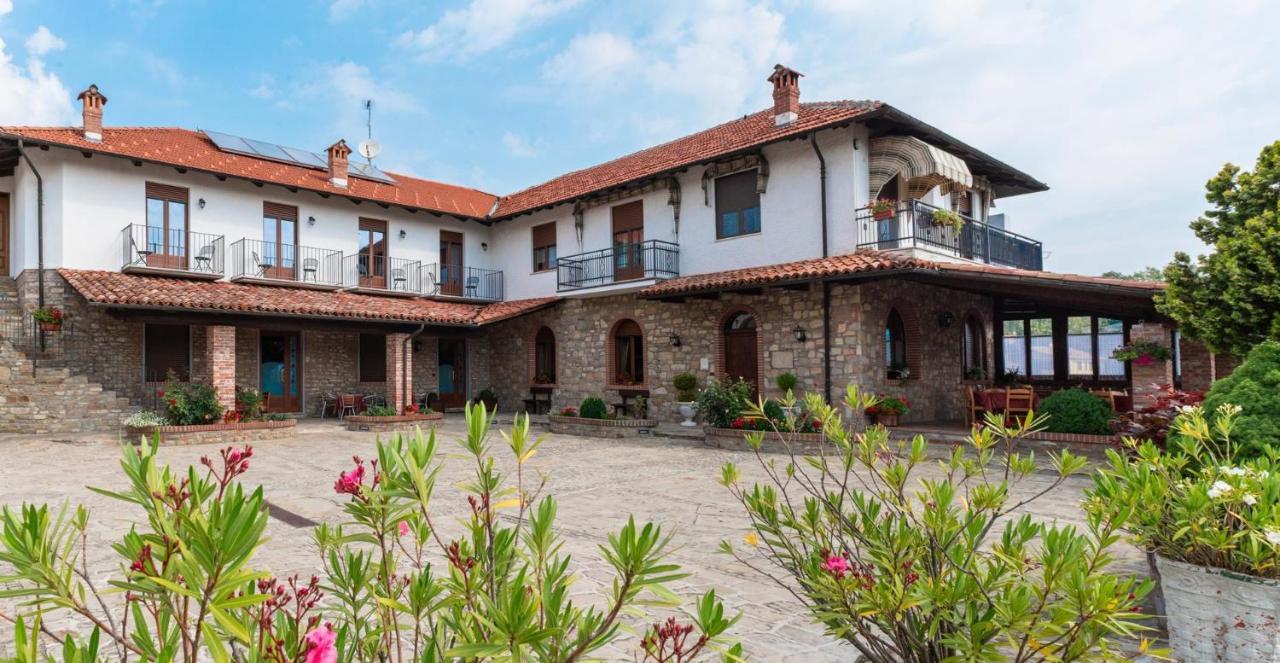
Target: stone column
399 372
1147 378
220 356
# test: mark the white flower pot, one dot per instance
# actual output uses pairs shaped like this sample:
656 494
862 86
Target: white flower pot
1217 615
687 410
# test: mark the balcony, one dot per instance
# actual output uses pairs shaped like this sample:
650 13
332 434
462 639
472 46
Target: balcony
911 227
380 275
651 259
271 263
457 281
173 252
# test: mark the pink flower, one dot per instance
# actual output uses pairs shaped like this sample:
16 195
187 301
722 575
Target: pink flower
1143 360
320 645
404 528
837 566
350 482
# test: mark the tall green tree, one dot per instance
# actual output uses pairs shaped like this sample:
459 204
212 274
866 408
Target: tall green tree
1148 273
1229 299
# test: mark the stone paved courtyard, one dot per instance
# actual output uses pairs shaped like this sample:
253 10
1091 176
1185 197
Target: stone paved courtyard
596 482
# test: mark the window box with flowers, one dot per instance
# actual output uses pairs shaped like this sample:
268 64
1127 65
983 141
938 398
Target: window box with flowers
49 318
945 218
883 208
1142 353
887 410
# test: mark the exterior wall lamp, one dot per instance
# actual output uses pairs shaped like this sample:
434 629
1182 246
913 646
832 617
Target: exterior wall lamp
675 340
201 203
311 220
403 234
801 337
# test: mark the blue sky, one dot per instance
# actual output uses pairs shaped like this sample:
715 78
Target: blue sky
1125 109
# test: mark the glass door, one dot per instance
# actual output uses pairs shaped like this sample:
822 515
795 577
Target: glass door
279 242
452 372
451 265
166 227
628 239
280 371
371 264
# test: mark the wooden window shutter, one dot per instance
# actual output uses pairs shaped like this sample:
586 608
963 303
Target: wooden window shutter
168 192
279 211
168 348
544 235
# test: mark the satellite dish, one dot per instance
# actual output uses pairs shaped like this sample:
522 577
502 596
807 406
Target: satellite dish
369 148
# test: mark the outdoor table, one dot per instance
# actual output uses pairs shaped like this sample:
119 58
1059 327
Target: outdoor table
993 400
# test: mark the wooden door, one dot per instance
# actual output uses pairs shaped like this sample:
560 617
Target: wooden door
166 243
279 257
371 253
451 264
452 373
741 349
628 238
280 370
4 234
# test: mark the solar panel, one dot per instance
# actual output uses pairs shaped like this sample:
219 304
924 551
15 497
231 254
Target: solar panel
293 155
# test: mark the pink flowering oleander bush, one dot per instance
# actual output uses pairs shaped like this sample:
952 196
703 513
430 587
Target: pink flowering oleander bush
394 588
940 566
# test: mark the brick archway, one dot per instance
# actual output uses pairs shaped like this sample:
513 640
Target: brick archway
531 350
974 317
911 336
722 359
612 375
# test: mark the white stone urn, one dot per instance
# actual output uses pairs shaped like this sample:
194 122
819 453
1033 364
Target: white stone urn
1218 615
687 410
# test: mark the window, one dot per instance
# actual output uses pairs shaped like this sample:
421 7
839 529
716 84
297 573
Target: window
1042 350
371 253
737 205
628 353
544 247
279 240
166 224
895 346
544 357
1110 337
167 348
1030 347
974 349
1014 344
373 358
1080 347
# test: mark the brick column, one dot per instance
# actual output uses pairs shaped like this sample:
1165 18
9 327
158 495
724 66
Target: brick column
1145 378
220 356
399 372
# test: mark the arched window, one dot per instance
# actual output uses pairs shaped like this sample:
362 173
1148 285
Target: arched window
895 347
741 349
544 356
628 353
974 349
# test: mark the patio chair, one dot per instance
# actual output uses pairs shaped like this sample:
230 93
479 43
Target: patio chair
328 400
399 281
1108 396
310 267
371 400
204 259
259 267
1018 403
974 413
473 284
433 285
346 405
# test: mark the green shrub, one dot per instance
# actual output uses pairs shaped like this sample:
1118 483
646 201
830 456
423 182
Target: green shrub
379 411
248 403
786 382
593 407
773 410
686 385
1255 387
190 403
1076 411
719 403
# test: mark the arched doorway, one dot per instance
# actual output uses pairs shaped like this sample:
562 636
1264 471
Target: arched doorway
741 349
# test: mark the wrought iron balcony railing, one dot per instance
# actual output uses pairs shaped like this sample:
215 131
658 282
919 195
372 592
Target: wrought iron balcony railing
376 272
650 259
253 259
173 250
913 225
462 282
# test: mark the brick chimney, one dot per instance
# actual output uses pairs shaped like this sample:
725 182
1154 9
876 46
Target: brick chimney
786 95
93 102
338 153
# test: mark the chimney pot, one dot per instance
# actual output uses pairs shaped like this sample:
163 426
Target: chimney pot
339 155
93 101
786 95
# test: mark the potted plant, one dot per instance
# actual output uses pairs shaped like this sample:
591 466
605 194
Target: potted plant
899 371
49 318
786 384
489 397
1008 378
1142 353
945 218
686 385
887 409
883 208
544 378
975 374
1208 520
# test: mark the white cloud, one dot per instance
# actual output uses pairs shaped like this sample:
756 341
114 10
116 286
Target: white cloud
265 89
43 41
518 145
340 10
480 27
597 59
6 6
354 83
29 94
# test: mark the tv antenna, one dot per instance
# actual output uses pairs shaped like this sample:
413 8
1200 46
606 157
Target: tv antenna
369 148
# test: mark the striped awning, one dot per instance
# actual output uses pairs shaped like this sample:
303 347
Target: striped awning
921 165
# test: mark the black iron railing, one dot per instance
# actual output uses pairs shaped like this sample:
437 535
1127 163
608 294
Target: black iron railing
377 272
255 259
460 281
651 259
152 248
914 225
50 346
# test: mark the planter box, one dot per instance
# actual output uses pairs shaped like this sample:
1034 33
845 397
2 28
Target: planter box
244 431
732 438
1082 438
1217 615
404 423
600 427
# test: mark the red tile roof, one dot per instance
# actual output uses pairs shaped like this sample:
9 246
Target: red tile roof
132 290
818 269
192 149
744 133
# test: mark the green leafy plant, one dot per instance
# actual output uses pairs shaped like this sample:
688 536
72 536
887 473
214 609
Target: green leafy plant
1194 501
1142 353
892 405
640 407
593 407
975 373
379 411
48 315
394 587
1008 378
686 385
882 206
189 403
249 403
144 419
1254 386
936 568
786 382
945 218
1076 411
488 396
721 402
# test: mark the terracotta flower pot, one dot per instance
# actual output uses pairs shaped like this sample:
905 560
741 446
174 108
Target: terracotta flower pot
882 215
887 420
50 326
